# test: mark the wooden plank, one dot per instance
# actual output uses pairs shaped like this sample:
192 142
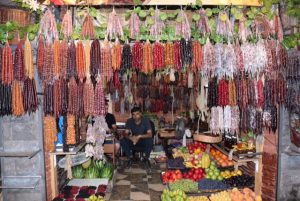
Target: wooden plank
53 178
163 2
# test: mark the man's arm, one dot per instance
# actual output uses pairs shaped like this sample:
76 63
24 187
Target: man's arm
146 135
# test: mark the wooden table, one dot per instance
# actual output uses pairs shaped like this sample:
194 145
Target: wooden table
165 136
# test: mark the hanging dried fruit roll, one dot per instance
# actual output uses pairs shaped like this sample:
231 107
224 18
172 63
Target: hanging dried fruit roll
71 132
95 58
177 56
19 73
99 99
64 58
64 96
48 99
30 100
66 25
106 70
88 97
147 58
28 60
88 30
57 59
169 55
50 131
158 55
116 55
17 99
71 68
80 100
126 58
72 97
197 62
57 98
48 70
7 65
137 55
40 55
80 61
87 54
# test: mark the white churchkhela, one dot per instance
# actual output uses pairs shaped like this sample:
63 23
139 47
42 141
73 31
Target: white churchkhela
187 133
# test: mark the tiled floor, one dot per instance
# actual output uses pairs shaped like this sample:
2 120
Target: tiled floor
138 184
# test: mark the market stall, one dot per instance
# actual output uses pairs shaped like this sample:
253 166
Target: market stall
211 76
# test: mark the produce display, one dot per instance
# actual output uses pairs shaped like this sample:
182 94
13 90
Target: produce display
171 175
227 174
221 159
212 172
168 195
194 174
245 194
196 147
240 181
221 196
96 198
211 185
186 185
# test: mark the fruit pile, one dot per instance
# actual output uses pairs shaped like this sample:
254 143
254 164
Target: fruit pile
185 185
198 161
212 172
168 195
221 159
180 152
221 196
176 163
240 181
196 147
171 175
207 184
228 174
245 194
194 174
198 198
96 198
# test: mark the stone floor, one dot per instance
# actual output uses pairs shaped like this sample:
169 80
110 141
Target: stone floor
138 184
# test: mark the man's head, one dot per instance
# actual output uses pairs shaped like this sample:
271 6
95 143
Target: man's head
136 113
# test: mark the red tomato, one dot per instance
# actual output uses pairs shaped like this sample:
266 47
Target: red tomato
177 172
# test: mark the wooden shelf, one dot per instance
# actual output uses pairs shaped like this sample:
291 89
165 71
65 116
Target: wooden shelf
73 152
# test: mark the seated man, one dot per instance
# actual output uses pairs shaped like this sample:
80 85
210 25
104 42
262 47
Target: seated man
137 134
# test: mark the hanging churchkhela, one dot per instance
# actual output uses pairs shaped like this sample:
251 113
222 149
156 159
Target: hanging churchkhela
95 58
80 61
72 97
99 99
7 65
106 70
137 55
57 59
40 55
19 73
29 68
29 96
116 56
17 99
126 58
147 58
57 98
48 74
71 67
64 59
88 30
48 99
50 133
66 25
158 55
88 97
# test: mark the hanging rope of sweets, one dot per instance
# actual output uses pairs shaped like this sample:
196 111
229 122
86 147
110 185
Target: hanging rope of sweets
158 55
17 99
88 98
223 89
71 132
48 26
99 100
7 65
183 27
177 55
158 26
239 58
147 58
64 96
30 100
66 25
57 59
87 53
203 25
47 75
5 100
169 55
116 55
57 98
137 55
88 30
28 60
95 58
48 99
114 25
126 58
186 52
41 55
19 63
232 93
50 131
106 70
71 68
209 59
80 100
134 25
197 62
80 61
73 96
64 58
